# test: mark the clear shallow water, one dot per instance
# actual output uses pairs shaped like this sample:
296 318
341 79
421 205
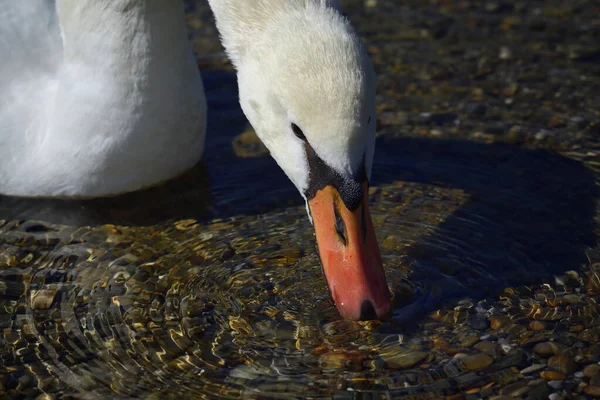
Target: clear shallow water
238 306
210 285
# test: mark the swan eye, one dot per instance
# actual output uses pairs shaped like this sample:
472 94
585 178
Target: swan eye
298 132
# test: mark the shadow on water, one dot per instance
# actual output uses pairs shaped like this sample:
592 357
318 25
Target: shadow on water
529 213
529 216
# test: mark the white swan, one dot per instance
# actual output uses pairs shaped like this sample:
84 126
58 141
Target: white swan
101 97
97 97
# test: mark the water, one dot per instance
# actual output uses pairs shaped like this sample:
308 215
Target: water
210 286
238 306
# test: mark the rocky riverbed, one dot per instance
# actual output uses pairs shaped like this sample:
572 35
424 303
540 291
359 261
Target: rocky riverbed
485 199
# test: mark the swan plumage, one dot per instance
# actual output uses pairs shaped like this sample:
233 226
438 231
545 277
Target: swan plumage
96 97
301 62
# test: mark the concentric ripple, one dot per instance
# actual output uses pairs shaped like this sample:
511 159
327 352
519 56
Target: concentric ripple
238 306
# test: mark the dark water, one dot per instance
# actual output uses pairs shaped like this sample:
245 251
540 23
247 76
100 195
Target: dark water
210 286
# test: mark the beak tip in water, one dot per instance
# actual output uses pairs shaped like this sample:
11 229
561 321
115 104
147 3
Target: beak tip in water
367 311
350 256
369 308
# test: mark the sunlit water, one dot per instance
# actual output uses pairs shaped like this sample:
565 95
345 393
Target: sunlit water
210 286
238 305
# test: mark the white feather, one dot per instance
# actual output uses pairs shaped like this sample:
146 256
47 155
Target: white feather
300 61
97 97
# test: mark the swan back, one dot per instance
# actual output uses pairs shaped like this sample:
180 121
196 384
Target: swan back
28 48
31 49
123 109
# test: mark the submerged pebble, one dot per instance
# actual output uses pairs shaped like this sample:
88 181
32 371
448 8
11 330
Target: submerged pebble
403 358
591 370
552 375
562 363
43 299
533 368
477 361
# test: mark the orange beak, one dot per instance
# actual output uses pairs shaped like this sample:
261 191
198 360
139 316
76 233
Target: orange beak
350 256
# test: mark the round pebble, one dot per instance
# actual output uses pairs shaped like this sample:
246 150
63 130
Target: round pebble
404 359
591 370
552 375
499 321
577 328
547 349
469 341
477 361
591 390
563 363
555 384
533 368
537 326
486 347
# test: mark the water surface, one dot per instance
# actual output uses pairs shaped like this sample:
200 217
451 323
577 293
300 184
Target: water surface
210 286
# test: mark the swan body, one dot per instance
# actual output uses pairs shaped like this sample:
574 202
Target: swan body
97 97
108 100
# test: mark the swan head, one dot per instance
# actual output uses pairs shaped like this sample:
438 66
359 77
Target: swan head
307 87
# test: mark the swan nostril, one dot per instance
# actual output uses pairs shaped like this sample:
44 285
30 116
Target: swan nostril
340 227
367 311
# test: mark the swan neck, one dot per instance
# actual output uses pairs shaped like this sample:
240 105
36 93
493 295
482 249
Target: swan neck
242 24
